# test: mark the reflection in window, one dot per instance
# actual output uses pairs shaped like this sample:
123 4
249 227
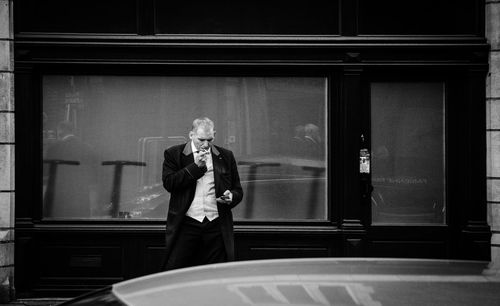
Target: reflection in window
408 153
104 138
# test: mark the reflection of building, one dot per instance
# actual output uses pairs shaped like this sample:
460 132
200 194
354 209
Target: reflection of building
145 69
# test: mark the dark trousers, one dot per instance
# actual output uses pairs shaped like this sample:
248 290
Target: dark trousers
198 243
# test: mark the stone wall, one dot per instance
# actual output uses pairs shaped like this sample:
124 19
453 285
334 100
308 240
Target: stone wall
493 130
6 151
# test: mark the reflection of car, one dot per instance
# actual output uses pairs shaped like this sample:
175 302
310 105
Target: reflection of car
321 281
274 188
407 199
282 187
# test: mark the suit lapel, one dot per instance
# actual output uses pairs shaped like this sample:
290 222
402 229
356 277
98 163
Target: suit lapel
217 162
187 156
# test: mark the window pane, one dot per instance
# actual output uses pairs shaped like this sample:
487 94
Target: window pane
62 16
258 17
407 144
107 160
424 17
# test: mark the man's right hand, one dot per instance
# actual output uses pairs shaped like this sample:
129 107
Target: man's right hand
201 159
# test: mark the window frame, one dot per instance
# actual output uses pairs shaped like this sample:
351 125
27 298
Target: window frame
332 76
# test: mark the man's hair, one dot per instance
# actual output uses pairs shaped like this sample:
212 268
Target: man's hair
203 122
311 129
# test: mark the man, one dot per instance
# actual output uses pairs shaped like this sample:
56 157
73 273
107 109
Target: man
204 186
313 141
298 144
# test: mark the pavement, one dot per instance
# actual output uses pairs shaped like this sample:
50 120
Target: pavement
36 302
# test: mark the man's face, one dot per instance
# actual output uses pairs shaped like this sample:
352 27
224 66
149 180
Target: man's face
202 137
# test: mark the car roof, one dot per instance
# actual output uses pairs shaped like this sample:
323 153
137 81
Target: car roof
316 281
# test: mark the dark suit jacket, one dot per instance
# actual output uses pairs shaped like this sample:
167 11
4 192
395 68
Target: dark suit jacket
179 176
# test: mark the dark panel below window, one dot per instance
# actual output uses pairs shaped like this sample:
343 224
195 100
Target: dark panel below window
281 17
408 249
92 16
81 261
153 258
424 17
287 252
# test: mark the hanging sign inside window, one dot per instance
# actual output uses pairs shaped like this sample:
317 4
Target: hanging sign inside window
364 161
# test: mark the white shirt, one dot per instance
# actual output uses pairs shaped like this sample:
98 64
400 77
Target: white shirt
204 203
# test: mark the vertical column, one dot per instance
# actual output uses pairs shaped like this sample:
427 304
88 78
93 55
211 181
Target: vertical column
6 152
352 223
475 238
493 130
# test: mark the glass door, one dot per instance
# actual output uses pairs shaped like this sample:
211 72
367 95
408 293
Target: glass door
408 153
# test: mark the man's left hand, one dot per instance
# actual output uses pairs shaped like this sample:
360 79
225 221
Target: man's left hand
226 198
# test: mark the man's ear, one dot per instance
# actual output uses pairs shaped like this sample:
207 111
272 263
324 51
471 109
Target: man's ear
191 134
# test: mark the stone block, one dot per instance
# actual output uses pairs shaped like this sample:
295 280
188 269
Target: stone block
488 84
493 24
6 235
6 254
6 91
5 19
488 154
494 218
6 127
493 114
6 167
6 284
495 238
493 81
5 272
494 265
6 220
12 206
6 55
493 190
493 154
12 171
488 114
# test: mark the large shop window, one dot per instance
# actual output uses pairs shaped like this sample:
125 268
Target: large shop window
408 145
104 138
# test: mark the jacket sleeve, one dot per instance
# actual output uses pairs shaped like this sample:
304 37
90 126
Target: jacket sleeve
237 191
176 177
